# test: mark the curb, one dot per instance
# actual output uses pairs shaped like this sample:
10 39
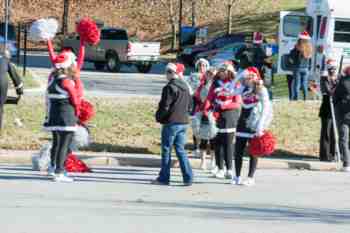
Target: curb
141 160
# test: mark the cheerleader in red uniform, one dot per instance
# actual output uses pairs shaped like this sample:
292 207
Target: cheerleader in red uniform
255 117
224 100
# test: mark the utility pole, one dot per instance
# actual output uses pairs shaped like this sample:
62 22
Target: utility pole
180 23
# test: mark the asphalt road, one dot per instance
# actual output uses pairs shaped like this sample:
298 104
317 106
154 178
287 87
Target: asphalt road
128 82
120 199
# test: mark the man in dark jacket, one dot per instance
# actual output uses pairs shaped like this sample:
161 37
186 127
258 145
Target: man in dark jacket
342 107
7 67
173 113
253 55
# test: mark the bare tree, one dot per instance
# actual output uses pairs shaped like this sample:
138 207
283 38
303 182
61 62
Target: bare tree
65 16
172 16
194 13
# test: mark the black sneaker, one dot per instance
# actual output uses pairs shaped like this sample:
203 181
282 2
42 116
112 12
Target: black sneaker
188 183
157 182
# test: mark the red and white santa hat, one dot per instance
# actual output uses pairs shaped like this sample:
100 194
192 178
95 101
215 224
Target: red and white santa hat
257 38
252 73
65 59
177 68
304 35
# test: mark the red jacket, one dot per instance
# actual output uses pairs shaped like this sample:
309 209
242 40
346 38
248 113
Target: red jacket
222 96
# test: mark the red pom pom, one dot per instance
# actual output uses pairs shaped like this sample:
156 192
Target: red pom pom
86 111
73 164
262 146
88 31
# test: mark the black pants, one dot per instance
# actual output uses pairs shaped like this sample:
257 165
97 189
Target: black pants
207 144
289 82
59 150
327 141
224 149
344 131
240 146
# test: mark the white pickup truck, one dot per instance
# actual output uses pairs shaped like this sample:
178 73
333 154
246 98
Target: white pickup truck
115 49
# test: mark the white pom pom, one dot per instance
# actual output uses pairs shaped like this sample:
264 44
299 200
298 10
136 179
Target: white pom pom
81 138
43 29
42 160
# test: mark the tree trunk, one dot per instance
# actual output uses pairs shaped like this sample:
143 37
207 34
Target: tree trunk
229 19
65 17
172 24
180 24
194 13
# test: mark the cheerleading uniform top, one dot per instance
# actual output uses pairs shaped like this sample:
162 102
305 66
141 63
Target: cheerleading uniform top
256 113
62 103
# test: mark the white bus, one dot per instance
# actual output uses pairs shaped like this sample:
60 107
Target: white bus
328 23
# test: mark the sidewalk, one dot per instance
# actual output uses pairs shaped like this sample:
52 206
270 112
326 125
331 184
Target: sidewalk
119 159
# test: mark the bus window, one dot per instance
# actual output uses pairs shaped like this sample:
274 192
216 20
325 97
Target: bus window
323 27
342 31
294 24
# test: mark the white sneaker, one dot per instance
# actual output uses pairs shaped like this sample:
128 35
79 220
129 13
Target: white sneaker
220 174
63 178
346 169
51 171
249 182
214 170
236 180
229 174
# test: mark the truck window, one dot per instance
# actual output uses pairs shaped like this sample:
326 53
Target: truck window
342 31
114 35
11 31
294 24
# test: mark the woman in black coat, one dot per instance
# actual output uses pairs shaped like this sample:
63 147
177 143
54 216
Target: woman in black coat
327 142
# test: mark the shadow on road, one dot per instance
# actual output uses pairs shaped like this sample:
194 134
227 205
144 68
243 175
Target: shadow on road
251 211
105 147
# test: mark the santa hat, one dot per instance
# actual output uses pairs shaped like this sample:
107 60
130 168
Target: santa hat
257 38
202 61
252 73
304 35
64 60
177 68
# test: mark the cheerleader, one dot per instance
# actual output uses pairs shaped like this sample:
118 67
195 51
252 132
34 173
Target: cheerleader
206 141
63 111
255 118
194 81
224 100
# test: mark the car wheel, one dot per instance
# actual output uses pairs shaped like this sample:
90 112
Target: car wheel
144 68
99 65
113 63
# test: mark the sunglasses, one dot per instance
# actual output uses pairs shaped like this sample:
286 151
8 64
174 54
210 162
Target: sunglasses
170 72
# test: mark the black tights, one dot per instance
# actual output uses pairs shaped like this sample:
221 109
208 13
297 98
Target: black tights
59 150
224 150
241 143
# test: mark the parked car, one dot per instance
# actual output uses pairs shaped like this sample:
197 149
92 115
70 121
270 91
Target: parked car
189 53
228 53
115 49
227 50
11 38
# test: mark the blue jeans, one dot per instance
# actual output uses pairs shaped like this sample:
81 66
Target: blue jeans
174 135
300 79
